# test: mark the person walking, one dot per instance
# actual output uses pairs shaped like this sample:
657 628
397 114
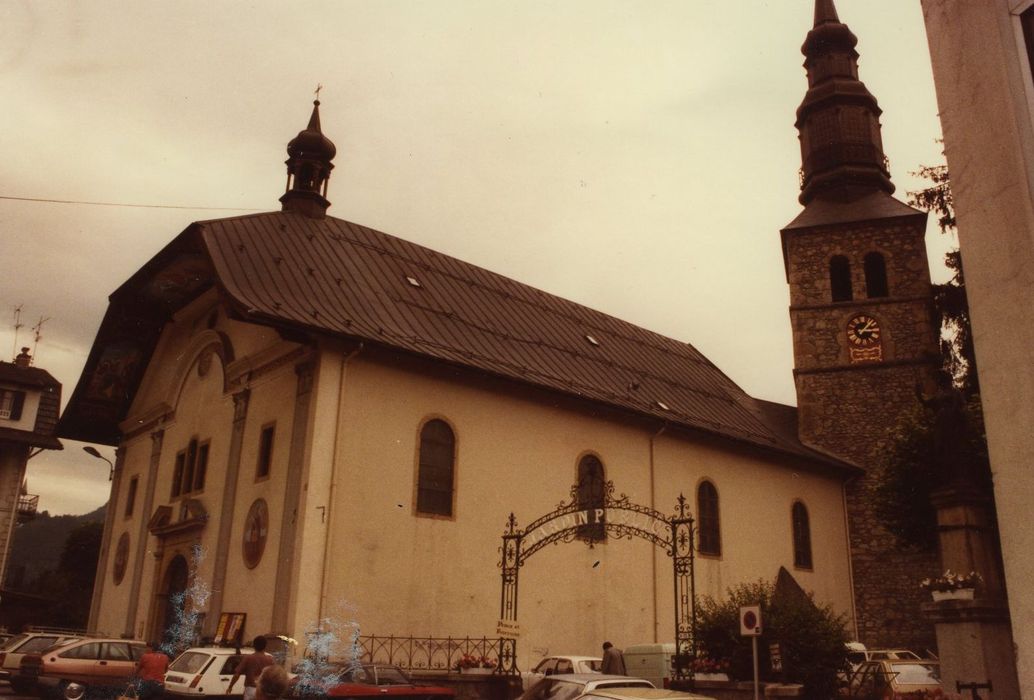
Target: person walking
150 673
251 667
613 660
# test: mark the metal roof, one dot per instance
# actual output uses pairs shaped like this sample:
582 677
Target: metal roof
337 277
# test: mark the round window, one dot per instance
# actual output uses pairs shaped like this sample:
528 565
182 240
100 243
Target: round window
256 528
121 558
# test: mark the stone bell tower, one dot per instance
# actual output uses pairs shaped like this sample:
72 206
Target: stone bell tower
864 335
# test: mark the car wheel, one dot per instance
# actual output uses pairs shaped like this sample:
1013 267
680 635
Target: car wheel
72 691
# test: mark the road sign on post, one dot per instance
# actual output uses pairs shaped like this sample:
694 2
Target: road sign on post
750 626
750 621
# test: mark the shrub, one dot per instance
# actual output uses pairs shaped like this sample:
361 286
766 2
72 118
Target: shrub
811 637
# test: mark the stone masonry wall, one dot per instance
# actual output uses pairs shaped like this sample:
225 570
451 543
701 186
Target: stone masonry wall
851 409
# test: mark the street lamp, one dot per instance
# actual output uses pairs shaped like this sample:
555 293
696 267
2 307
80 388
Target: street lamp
92 451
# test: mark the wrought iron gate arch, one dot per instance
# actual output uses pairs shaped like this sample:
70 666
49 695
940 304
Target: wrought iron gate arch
618 517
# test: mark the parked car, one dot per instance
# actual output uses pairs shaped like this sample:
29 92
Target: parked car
567 686
889 677
84 668
857 654
27 643
551 665
366 681
642 694
201 671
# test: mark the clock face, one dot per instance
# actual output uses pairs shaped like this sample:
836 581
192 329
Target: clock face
863 331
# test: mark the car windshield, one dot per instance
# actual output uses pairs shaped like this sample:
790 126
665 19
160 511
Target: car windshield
915 674
36 644
386 675
593 665
189 662
14 642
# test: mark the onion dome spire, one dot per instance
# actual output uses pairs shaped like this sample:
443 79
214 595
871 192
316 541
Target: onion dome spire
839 119
308 169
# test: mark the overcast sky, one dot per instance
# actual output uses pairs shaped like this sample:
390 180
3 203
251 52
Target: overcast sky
637 157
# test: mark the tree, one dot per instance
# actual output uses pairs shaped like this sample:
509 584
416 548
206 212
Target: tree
71 584
811 638
950 300
916 465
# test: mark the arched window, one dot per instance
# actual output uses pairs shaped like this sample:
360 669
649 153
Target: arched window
709 539
876 276
801 537
435 475
840 278
592 486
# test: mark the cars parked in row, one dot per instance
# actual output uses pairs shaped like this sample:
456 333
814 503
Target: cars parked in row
568 686
551 665
32 642
83 668
201 671
365 681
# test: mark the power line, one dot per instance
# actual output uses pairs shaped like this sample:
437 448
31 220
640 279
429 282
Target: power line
120 204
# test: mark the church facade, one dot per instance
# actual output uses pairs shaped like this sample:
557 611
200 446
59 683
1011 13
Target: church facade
317 419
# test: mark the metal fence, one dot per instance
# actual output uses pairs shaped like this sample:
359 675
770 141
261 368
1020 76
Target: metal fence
427 653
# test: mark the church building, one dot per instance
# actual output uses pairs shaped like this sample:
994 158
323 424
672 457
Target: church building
313 416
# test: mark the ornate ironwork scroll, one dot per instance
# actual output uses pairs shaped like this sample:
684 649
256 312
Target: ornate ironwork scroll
618 517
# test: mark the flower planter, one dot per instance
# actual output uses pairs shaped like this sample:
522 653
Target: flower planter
478 671
700 676
956 594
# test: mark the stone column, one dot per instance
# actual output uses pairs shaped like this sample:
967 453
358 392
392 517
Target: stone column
222 551
100 579
292 493
142 535
974 639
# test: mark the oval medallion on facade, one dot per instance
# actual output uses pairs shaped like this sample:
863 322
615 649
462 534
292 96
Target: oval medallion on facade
256 528
121 558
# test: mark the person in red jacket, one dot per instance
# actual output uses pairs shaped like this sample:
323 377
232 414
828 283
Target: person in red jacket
150 673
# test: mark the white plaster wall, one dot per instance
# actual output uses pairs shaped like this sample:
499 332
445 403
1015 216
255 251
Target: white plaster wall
984 93
412 575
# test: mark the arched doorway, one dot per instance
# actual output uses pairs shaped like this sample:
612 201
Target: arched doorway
171 595
591 516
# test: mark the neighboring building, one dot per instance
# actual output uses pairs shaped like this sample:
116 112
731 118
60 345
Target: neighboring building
30 400
334 414
865 336
982 64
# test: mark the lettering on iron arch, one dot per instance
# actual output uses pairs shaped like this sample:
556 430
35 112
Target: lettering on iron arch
635 519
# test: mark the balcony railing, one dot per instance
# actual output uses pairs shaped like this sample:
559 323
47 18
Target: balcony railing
27 506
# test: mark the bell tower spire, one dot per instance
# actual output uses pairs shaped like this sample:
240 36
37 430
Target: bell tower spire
839 119
308 168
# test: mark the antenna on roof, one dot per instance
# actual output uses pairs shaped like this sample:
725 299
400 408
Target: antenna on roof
38 333
17 327
319 86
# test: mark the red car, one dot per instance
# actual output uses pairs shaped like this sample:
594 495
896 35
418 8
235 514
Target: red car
371 680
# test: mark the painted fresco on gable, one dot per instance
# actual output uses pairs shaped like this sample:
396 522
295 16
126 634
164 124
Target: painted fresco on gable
180 280
114 372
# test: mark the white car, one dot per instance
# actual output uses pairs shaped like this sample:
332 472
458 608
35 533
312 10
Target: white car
551 665
27 643
204 671
642 694
568 686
